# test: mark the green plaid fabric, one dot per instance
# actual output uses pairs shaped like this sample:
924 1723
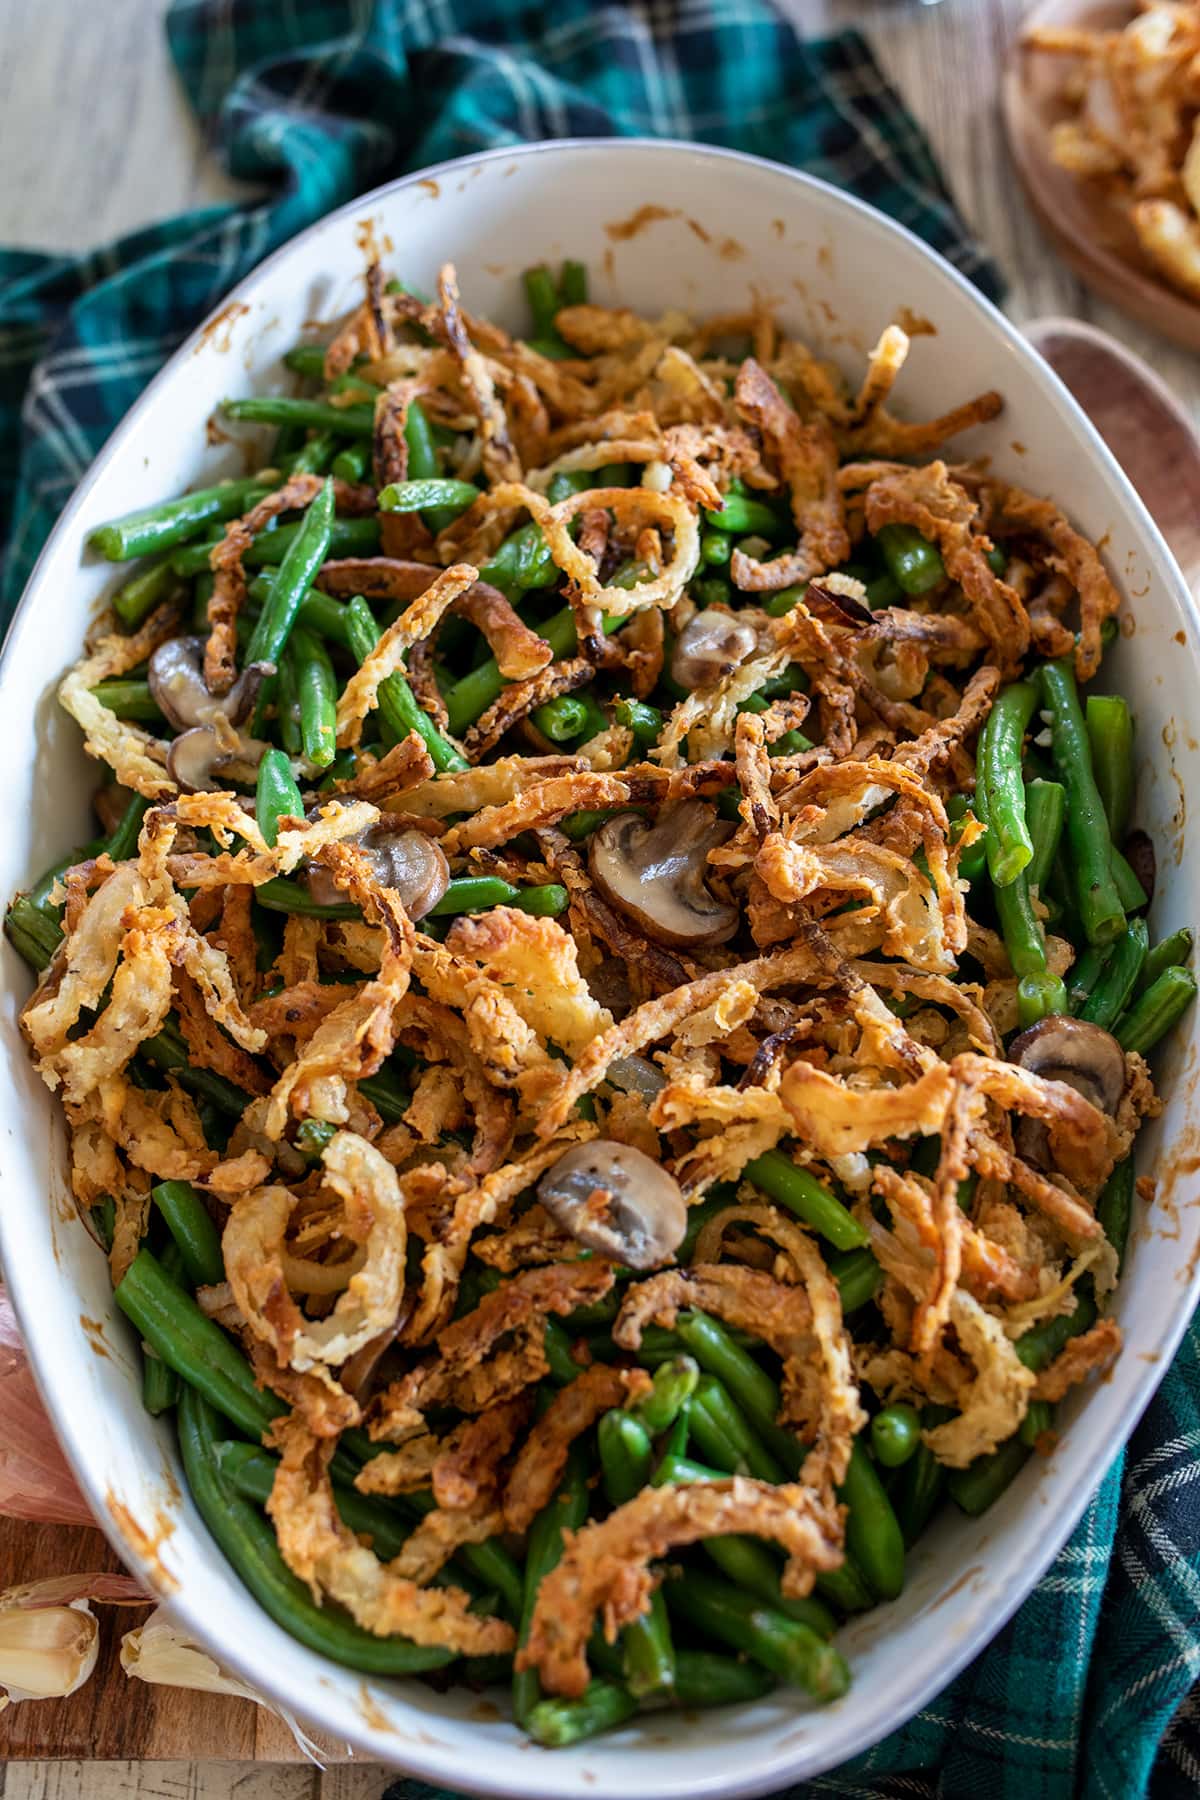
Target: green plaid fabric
1086 1690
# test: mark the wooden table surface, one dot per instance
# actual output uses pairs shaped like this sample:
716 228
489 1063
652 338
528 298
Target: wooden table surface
98 140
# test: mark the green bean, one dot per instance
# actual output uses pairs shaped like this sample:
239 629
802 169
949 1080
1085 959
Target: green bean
895 1434
789 1649
998 783
563 1367
996 560
276 795
573 283
676 1440
649 1654
297 572
626 1455
1100 911
160 1383
723 1435
777 1175
418 496
476 691
873 1536
314 455
318 612
347 537
1112 992
1020 926
312 1135
477 893
124 838
602 1706
191 1344
281 895
1040 996
251 1472
1045 813
712 590
33 935
673 1386
1114 1209
136 600
705 1678
1153 1013
316 693
845 1587
129 700
195 1236
1169 953
276 409
248 1541
1084 973
1039 1346
683 1469
982 1482
580 825
195 559
751 1387
859 1278
489 1562
716 547
645 722
914 564
287 701
390 1098
748 1563
566 1512
172 522
1110 734
740 514
1039 1418
883 590
168 1052
353 463
544 303
396 700
306 359
921 1483
562 718
779 604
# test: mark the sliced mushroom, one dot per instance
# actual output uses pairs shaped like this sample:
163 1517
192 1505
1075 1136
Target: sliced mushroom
408 861
711 645
1084 1055
176 679
616 1200
655 873
202 758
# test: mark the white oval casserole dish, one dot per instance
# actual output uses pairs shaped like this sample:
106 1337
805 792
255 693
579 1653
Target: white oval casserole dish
726 226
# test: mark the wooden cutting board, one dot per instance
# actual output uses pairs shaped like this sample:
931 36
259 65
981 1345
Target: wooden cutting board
112 1718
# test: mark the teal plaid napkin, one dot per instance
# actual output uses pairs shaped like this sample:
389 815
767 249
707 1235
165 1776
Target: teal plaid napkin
319 99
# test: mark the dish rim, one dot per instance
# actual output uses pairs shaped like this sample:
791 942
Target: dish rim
907 1696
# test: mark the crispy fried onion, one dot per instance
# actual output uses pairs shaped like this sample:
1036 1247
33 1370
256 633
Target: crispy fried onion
543 1456
1069 555
606 1567
517 1311
325 1553
633 509
806 453
372 1215
136 758
361 692
945 513
822 1396
353 1039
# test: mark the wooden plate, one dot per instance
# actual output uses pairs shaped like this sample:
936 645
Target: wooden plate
1090 230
